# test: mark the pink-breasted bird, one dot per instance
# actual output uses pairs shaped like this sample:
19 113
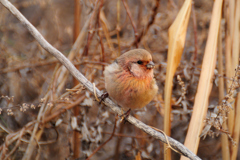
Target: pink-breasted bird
129 79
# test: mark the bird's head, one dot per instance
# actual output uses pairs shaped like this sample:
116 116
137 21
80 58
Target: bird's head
137 62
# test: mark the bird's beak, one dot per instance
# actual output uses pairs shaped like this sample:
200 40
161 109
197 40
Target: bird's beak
150 65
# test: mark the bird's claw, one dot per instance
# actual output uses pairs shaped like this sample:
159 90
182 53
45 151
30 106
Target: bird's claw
102 97
125 115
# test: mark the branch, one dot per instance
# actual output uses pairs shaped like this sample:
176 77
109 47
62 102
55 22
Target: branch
70 67
132 22
150 22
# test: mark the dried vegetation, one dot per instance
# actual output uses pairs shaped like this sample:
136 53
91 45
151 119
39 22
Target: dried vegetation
46 114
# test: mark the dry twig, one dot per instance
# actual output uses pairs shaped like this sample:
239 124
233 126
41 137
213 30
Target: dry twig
101 146
132 22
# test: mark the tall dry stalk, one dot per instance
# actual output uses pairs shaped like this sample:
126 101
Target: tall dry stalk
77 20
205 82
224 137
177 35
229 59
235 62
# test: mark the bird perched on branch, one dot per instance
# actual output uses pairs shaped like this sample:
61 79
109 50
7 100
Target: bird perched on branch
129 79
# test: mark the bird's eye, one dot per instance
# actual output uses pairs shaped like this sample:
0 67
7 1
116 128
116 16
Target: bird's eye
140 62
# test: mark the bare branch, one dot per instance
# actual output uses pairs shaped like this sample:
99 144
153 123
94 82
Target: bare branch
132 22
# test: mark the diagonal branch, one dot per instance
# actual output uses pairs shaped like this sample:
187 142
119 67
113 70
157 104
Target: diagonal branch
133 24
71 68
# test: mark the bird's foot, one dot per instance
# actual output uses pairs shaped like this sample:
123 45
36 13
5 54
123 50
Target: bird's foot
102 97
125 115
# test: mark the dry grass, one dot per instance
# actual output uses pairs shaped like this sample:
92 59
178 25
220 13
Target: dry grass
38 94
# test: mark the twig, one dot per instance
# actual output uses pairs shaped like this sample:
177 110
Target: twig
76 134
131 19
97 149
194 56
118 143
91 31
28 65
16 134
104 24
70 67
152 18
124 135
224 137
195 35
100 35
155 9
13 136
94 92
17 144
118 27
77 19
57 113
173 4
75 51
169 146
92 62
4 128
76 140
5 146
31 145
48 62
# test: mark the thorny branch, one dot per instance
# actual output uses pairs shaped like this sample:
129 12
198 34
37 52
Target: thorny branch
71 68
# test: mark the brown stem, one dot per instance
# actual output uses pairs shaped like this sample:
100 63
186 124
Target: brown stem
131 19
97 149
100 36
57 113
116 153
195 35
91 31
124 135
152 18
118 27
77 9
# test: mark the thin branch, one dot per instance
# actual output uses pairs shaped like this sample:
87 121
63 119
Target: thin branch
118 27
17 144
32 143
77 19
28 65
91 31
97 149
118 143
152 19
48 62
195 34
57 113
133 24
128 136
100 34
88 85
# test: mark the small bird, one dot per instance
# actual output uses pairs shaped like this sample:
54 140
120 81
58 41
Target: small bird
129 80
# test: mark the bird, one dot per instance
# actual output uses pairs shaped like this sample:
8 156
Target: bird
129 80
